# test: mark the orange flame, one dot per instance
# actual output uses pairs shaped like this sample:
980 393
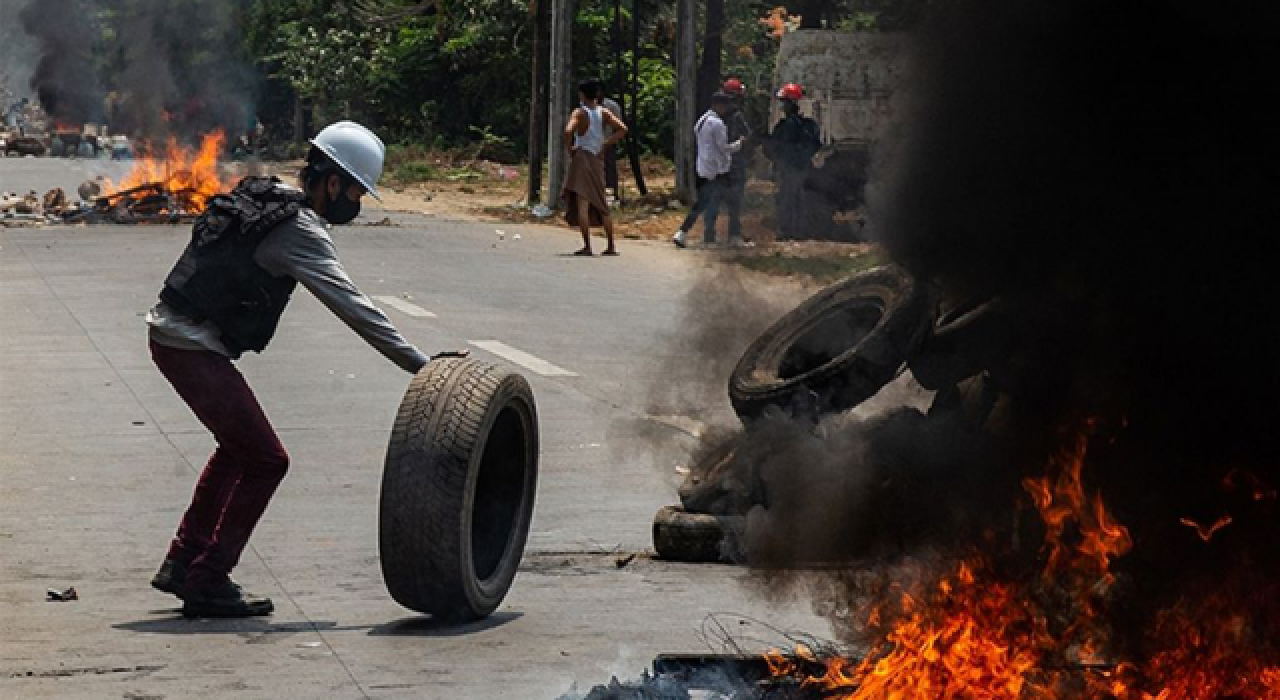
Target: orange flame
191 176
970 635
1206 533
1062 502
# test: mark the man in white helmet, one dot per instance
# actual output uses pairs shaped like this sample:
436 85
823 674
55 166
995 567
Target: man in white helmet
224 296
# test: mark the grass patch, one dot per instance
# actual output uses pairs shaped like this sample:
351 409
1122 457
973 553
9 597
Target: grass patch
412 171
821 267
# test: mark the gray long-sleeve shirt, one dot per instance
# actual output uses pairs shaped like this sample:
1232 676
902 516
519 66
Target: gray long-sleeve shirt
301 249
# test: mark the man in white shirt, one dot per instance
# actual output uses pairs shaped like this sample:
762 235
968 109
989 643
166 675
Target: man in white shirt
715 154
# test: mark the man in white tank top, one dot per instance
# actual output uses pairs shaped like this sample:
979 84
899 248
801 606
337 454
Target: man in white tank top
584 188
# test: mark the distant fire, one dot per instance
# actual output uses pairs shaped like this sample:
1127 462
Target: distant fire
975 634
188 178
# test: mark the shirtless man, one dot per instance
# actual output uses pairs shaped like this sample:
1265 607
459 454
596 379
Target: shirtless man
584 188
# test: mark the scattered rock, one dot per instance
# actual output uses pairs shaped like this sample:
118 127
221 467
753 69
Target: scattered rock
54 595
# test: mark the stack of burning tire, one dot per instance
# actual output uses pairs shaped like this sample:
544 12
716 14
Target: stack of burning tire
458 489
828 355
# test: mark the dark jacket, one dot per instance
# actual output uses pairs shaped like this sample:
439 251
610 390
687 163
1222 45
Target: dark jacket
217 279
739 129
794 141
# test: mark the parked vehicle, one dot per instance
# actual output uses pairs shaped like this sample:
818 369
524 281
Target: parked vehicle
24 146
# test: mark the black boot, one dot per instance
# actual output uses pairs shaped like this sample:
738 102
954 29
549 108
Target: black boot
223 599
171 577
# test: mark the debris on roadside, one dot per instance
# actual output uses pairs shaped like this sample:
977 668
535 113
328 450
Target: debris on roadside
54 595
727 676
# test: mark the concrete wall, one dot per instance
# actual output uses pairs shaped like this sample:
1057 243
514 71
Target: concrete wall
848 79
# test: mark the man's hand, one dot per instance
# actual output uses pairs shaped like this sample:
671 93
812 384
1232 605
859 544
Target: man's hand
461 354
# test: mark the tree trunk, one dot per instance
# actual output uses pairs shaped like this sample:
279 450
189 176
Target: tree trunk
619 81
633 142
712 47
538 104
686 98
299 127
561 87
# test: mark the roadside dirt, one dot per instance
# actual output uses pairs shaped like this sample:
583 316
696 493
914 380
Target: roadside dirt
499 197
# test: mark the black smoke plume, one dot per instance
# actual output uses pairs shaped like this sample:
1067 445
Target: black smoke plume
65 79
1108 172
150 68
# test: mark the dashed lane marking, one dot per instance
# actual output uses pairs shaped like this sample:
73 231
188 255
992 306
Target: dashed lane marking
534 364
404 307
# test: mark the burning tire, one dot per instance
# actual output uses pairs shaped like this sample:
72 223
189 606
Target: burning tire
696 537
458 489
835 350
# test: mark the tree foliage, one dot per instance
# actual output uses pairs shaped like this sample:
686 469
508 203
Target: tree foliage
434 73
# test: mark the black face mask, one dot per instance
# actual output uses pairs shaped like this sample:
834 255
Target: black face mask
340 210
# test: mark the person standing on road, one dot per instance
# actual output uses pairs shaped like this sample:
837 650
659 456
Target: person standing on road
226 295
584 187
739 130
715 152
791 146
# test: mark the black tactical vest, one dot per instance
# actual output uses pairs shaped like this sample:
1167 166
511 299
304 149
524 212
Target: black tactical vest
216 278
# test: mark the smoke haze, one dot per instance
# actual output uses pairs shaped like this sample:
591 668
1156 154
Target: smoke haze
148 67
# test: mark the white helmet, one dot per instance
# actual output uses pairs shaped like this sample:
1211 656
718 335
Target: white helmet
355 149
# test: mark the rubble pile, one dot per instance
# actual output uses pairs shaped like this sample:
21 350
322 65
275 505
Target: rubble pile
152 203
24 209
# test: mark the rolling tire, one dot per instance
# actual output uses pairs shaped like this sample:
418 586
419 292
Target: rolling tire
696 537
458 489
835 350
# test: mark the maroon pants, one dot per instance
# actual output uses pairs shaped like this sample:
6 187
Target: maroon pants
240 477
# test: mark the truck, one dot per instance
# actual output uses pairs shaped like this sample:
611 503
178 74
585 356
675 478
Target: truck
848 79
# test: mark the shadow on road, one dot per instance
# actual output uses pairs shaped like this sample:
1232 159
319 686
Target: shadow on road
431 627
259 628
174 623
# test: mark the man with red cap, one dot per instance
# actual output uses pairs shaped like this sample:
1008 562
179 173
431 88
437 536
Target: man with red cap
739 130
791 146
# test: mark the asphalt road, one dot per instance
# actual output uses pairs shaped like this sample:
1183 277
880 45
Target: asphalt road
98 457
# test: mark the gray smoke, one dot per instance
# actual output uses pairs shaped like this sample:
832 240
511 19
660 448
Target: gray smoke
149 68
18 55
64 79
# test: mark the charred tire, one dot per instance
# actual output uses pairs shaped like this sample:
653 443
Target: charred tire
458 489
835 350
696 537
960 345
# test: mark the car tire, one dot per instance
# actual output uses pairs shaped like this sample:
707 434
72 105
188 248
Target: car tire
458 489
835 350
696 537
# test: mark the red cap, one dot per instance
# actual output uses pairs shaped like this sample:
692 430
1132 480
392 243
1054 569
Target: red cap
733 86
791 91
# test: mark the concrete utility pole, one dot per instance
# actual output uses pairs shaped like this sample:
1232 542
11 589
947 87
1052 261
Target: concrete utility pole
686 97
561 88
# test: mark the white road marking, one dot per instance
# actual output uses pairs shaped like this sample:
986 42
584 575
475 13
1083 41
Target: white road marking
536 365
403 306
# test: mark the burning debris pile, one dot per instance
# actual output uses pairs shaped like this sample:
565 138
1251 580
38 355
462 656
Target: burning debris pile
159 189
1088 509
